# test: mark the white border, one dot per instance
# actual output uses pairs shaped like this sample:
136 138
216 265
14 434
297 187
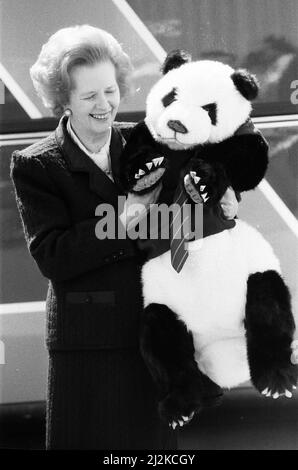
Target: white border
141 29
281 208
19 94
22 307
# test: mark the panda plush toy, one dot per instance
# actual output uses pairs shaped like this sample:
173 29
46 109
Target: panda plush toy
226 316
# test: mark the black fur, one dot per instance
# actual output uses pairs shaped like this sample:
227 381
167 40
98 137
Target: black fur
169 98
174 60
168 350
246 83
269 331
212 111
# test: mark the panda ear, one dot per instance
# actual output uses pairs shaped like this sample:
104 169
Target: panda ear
246 83
174 60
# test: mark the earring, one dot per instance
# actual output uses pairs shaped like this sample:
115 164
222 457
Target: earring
67 112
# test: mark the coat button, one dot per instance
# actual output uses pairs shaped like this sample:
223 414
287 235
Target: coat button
121 252
88 299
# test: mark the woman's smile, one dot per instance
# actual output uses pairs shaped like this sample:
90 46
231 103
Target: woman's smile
101 116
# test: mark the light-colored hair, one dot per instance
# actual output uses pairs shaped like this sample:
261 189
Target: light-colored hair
71 47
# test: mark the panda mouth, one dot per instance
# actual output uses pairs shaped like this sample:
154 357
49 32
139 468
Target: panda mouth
174 140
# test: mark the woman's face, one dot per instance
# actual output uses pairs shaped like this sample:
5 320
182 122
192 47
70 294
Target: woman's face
94 99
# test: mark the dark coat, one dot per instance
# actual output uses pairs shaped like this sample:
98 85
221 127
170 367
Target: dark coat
100 394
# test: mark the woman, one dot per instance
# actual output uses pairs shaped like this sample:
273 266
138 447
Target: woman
100 394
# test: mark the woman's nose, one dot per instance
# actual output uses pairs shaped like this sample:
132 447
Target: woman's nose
101 102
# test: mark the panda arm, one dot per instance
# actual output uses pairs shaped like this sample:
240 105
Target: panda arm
245 160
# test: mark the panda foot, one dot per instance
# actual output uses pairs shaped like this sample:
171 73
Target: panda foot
277 382
142 176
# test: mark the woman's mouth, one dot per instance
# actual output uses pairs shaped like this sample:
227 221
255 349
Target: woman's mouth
100 116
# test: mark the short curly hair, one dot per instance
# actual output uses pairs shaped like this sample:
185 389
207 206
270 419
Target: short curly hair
70 47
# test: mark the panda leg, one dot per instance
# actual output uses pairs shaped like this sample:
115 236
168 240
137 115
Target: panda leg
168 350
269 331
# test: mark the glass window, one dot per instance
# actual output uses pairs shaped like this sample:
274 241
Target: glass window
261 35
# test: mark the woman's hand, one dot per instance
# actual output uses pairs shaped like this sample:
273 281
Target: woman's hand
229 204
136 206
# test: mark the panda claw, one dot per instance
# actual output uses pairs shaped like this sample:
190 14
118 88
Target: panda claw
265 391
193 174
149 165
275 395
196 179
157 161
141 172
288 394
137 176
202 188
205 197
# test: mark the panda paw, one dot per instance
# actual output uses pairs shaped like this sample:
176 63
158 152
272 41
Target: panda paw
142 176
204 182
277 382
197 192
176 412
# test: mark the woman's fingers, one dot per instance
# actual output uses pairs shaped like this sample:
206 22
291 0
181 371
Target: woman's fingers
229 204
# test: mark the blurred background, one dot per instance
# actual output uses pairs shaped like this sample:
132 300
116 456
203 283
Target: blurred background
261 35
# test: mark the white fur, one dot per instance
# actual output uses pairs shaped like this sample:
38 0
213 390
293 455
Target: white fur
213 307
207 82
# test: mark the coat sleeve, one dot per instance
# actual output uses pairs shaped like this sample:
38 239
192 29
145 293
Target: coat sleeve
61 250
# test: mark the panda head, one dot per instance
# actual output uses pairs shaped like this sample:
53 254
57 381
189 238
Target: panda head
198 102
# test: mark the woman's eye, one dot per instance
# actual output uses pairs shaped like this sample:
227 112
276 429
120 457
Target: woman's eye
110 91
89 97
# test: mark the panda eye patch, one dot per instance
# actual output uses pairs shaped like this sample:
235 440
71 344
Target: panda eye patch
212 111
169 98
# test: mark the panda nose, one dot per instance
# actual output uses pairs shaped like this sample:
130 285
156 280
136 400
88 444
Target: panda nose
177 126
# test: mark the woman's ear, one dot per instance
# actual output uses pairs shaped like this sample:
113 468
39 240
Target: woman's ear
246 83
175 59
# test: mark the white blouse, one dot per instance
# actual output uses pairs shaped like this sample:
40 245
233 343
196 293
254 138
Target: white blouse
102 158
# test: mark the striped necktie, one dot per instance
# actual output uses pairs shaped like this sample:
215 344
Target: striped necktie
179 228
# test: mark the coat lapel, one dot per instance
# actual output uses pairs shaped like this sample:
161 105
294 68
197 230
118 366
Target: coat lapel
78 161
